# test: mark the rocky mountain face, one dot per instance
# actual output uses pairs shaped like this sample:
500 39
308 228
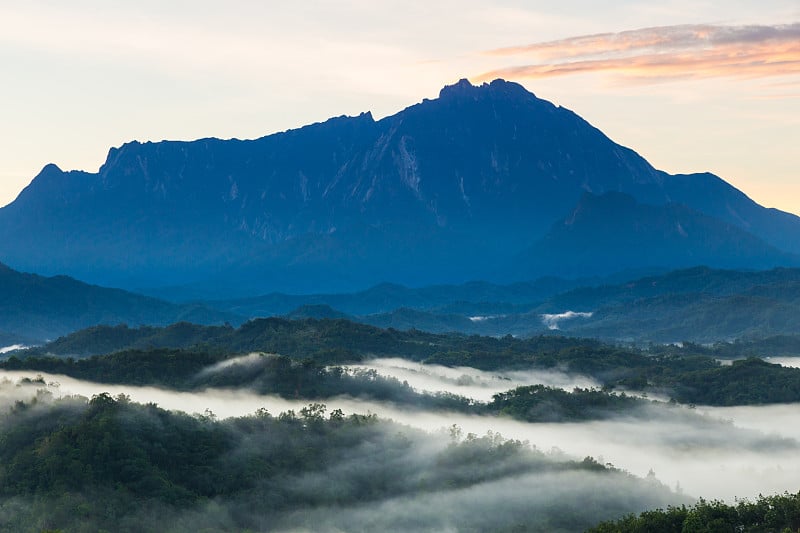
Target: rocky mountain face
447 190
612 232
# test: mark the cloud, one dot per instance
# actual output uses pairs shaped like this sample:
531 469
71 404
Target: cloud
662 53
12 348
470 382
242 361
552 321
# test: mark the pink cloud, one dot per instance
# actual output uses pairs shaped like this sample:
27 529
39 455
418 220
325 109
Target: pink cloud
670 52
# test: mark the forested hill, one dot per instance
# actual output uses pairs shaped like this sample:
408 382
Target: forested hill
323 339
689 375
108 464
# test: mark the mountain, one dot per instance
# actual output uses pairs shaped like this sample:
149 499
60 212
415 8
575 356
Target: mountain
35 308
606 233
445 191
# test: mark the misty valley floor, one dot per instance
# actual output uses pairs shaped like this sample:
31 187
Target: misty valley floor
111 463
727 453
362 429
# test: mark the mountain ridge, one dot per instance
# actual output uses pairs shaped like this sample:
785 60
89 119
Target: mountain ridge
36 308
646 236
471 178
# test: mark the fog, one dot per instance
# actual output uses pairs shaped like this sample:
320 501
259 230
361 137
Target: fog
553 321
243 360
497 505
468 381
484 318
371 477
710 452
793 362
12 348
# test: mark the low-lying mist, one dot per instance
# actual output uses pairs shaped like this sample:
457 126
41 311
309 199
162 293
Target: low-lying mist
792 362
470 382
12 348
710 452
131 467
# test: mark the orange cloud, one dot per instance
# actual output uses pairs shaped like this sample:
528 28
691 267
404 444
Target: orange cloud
671 52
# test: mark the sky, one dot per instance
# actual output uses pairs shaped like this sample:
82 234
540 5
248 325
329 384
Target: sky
691 85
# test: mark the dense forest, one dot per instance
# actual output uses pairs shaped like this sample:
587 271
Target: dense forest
107 463
325 340
775 346
110 464
175 355
307 379
778 514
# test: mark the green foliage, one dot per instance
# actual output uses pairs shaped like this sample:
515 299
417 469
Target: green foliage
776 346
690 374
150 452
748 381
330 341
109 464
538 403
698 304
266 374
768 514
135 367
108 339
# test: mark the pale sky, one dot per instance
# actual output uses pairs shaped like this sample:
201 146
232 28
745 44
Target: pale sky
690 85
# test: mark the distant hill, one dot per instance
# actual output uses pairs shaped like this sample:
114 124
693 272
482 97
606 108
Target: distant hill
12 339
697 304
104 339
693 317
700 304
451 189
315 311
697 280
387 297
39 308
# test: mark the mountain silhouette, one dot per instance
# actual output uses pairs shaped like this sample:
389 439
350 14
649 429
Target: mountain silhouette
451 189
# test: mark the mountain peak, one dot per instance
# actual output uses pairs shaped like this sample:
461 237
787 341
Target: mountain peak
461 88
50 168
499 87
472 178
509 88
